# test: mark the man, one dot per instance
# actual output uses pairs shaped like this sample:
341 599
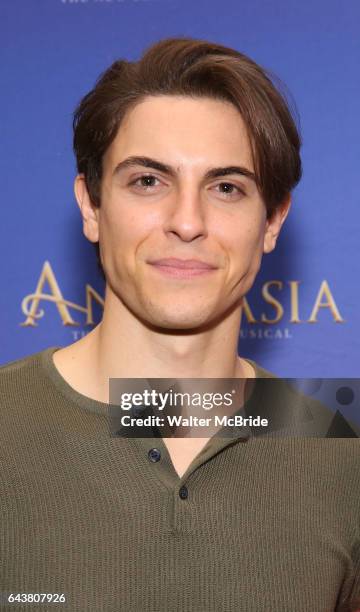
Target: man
186 164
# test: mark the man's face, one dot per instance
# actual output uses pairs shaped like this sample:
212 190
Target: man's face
190 199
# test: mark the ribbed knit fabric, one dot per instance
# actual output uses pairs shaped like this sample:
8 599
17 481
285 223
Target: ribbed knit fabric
268 525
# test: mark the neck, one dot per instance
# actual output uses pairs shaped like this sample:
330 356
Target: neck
121 346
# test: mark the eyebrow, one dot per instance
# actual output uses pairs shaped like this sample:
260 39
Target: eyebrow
148 162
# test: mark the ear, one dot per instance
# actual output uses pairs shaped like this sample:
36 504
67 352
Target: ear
274 224
89 212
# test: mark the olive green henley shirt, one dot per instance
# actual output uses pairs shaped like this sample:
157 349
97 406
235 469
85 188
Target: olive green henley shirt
254 525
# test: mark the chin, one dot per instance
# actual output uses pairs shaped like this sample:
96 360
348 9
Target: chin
186 321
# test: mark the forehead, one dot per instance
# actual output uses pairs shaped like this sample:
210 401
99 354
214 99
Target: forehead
183 130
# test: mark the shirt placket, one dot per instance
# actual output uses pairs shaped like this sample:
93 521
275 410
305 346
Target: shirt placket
180 490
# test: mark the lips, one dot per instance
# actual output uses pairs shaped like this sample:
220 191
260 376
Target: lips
183 264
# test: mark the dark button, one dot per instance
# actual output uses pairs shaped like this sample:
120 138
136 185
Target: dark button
154 455
137 411
183 492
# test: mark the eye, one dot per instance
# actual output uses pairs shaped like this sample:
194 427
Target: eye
145 182
229 190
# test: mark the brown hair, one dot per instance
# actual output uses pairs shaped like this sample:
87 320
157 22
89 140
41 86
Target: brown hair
196 68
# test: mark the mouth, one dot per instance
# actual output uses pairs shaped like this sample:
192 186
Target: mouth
182 268
183 264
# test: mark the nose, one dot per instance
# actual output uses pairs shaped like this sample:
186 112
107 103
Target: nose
186 216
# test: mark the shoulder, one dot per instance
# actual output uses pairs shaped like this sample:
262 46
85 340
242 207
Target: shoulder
19 364
292 411
20 376
18 367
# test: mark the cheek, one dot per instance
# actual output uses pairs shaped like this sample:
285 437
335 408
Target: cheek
125 235
244 247
119 227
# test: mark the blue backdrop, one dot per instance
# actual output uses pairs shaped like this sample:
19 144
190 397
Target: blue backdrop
304 307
